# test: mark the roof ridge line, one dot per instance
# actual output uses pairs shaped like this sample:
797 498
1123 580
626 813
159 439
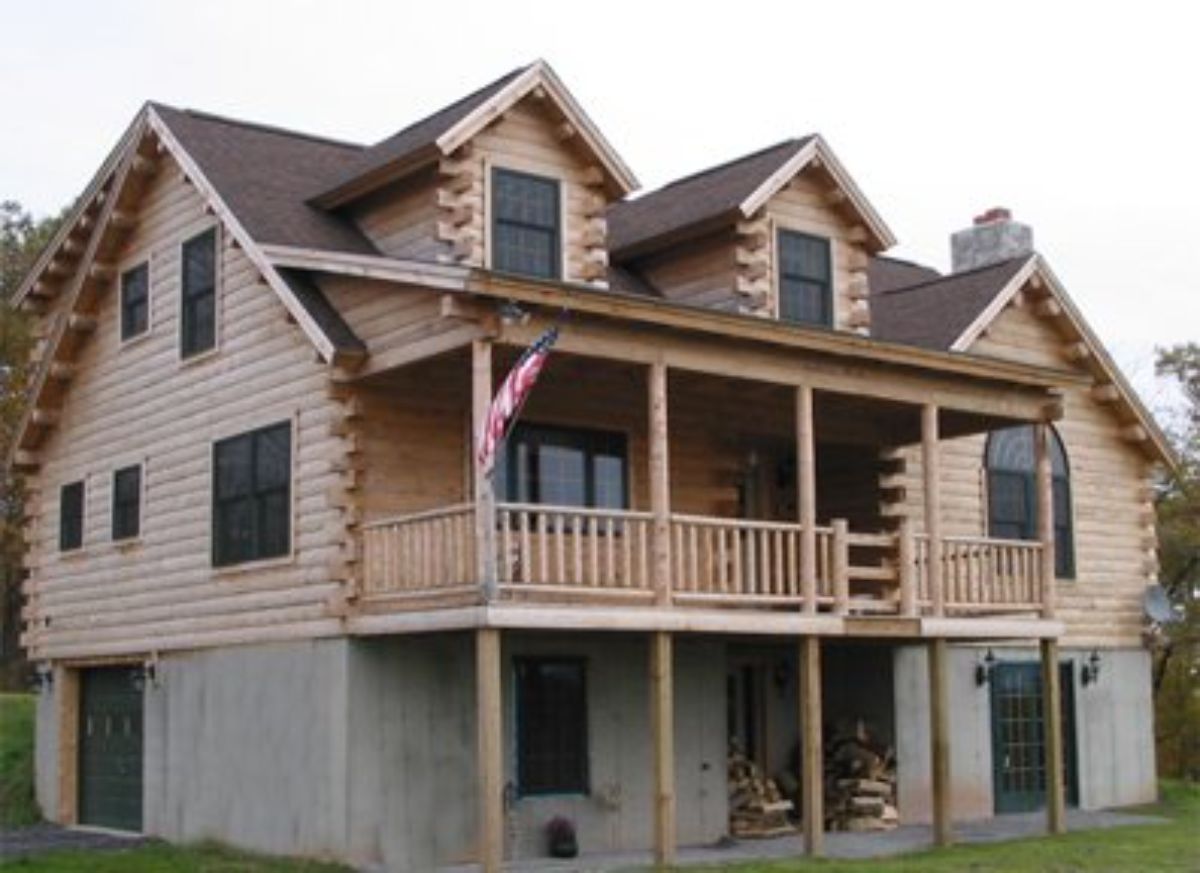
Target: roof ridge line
204 115
916 286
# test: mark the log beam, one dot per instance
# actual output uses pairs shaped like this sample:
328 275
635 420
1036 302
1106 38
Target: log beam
662 712
939 741
931 467
1045 516
660 482
489 725
1056 818
806 488
485 499
812 775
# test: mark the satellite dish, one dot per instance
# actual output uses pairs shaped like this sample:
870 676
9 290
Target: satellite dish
1158 606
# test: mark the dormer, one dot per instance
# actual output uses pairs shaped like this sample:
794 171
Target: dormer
514 178
782 233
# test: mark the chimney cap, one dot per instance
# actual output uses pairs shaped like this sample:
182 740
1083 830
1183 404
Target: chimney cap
994 215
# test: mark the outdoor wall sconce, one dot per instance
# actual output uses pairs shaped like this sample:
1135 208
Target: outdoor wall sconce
147 676
43 679
983 669
1089 673
511 313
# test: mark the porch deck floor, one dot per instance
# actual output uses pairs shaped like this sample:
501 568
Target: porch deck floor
910 838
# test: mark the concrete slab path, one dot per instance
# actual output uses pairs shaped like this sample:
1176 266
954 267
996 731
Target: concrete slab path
41 838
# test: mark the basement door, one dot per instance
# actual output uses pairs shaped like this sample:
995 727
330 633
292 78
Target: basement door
1018 750
110 748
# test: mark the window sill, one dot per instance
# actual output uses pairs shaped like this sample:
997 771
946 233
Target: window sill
235 570
136 340
199 357
128 544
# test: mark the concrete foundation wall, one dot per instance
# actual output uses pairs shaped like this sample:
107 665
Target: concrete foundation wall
1114 731
45 762
247 745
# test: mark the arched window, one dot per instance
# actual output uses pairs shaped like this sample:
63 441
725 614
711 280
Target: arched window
1012 492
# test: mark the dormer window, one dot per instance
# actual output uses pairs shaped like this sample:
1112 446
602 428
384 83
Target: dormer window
526 229
805 279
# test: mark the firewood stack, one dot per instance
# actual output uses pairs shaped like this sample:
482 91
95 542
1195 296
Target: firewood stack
756 807
860 783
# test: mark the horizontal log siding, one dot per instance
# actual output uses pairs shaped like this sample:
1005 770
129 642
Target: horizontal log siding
138 403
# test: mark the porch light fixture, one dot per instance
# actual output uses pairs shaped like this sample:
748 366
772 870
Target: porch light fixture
511 313
1089 673
43 678
983 669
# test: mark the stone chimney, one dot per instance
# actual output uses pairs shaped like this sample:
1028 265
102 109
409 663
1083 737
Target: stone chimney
994 237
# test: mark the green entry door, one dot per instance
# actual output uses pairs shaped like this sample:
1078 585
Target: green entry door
1018 750
110 748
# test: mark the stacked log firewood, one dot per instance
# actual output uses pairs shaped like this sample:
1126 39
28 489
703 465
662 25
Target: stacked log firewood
860 783
756 807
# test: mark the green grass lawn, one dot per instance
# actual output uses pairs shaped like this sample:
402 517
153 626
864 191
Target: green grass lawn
17 806
162 858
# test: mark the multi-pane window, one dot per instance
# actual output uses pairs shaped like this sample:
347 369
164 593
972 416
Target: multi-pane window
805 279
70 517
198 304
1012 492
135 301
525 224
127 503
564 467
552 744
252 495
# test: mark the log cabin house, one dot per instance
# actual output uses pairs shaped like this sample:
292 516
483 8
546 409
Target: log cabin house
771 483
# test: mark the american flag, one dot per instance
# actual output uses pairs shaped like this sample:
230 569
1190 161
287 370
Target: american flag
511 397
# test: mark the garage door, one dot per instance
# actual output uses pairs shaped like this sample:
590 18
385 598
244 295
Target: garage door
110 748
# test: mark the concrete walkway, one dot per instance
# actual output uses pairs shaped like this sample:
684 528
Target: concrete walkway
911 838
41 838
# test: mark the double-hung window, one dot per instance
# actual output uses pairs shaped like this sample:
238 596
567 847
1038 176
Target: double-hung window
252 495
70 517
526 233
198 303
135 301
805 279
127 503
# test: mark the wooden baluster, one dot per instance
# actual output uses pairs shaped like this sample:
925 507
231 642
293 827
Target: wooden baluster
575 528
594 550
777 548
793 580
543 546
630 531
722 562
644 554
524 567
738 569
610 570
560 548
504 565
707 535
694 557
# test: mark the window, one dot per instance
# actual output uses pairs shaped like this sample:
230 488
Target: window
1012 492
525 224
552 747
805 283
135 301
564 467
252 495
70 517
127 503
198 306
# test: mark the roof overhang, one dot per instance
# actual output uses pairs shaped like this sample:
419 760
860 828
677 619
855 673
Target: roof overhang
816 152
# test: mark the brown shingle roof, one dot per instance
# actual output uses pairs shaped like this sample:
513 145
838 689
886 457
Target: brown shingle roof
263 174
887 274
934 313
398 147
694 200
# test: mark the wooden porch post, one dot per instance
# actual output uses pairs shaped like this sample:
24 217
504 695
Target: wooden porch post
939 741
662 719
812 779
660 483
489 722
806 489
931 466
66 690
485 500
1045 516
1056 819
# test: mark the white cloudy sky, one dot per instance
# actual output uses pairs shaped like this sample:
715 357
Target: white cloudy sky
1082 118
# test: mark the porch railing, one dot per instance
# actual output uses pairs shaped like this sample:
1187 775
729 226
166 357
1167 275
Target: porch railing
574 554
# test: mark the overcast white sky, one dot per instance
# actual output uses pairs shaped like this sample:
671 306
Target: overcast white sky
1082 118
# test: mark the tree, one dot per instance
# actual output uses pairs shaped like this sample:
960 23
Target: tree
22 238
1177 658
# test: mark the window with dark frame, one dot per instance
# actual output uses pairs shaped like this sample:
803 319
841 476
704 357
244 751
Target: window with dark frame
198 304
252 476
563 466
805 279
525 224
127 503
135 301
70 517
552 736
1012 492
